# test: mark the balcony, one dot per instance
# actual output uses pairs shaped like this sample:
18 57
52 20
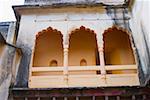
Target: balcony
78 60
83 76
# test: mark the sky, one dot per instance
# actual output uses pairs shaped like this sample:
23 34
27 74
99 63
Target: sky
6 12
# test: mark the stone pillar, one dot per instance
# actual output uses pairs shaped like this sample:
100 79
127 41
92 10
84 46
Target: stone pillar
65 60
100 44
102 61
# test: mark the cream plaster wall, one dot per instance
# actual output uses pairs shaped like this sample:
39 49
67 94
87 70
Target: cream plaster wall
63 20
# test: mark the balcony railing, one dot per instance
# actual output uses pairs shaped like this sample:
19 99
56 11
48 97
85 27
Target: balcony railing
83 76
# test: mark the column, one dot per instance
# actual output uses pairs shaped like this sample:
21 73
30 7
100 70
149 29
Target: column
100 44
65 61
102 61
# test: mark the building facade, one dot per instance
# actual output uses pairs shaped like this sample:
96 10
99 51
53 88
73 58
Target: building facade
81 49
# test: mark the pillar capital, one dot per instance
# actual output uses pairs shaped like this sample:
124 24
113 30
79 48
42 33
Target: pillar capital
65 40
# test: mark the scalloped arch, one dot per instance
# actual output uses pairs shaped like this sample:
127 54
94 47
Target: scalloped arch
82 28
49 29
114 27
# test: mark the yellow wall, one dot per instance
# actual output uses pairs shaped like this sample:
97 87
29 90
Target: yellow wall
118 48
48 47
82 46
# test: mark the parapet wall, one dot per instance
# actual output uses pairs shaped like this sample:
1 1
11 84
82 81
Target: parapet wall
49 2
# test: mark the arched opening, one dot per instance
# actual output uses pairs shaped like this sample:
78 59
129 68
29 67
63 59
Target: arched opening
48 47
53 63
83 62
83 44
117 47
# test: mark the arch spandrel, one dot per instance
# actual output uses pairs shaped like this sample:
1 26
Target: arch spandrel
92 25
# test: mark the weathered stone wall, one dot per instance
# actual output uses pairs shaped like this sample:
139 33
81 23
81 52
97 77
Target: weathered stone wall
6 62
6 71
140 25
23 70
49 2
4 26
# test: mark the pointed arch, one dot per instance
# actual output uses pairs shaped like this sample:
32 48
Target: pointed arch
117 47
83 45
83 62
48 46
